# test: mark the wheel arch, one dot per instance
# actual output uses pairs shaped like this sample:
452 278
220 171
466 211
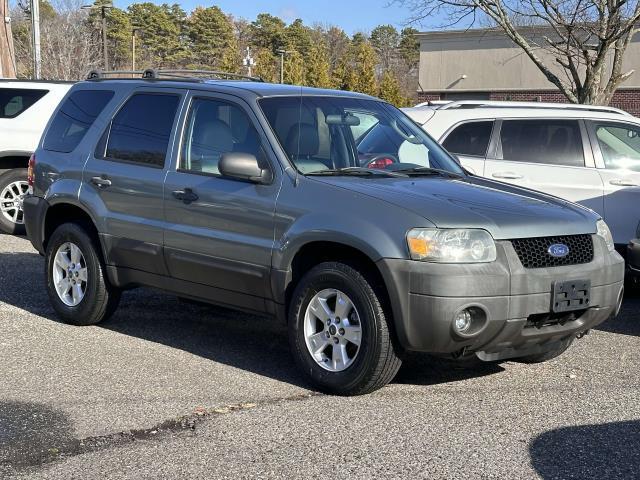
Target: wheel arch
65 212
13 160
314 252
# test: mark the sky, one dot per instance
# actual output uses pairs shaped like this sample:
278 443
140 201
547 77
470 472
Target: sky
351 15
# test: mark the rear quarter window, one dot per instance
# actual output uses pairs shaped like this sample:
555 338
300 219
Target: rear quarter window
14 101
75 117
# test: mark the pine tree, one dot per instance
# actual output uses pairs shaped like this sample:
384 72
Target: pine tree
163 39
119 33
213 43
265 67
318 67
294 68
390 89
363 79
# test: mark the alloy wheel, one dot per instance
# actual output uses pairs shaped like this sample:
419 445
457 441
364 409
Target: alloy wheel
70 274
11 201
332 330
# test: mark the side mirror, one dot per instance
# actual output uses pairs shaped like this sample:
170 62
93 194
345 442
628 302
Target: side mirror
243 166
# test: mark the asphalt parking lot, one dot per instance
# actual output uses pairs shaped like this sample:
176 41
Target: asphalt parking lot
172 390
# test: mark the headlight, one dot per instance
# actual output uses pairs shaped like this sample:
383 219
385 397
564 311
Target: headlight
604 232
451 246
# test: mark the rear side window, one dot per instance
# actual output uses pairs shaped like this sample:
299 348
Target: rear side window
75 117
141 130
470 139
552 142
14 101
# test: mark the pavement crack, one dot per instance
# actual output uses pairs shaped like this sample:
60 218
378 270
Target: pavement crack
182 424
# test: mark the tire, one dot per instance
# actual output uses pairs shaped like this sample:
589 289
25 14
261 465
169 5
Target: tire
562 346
12 184
365 368
99 299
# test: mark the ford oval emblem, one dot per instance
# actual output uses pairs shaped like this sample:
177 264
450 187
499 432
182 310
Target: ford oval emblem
558 250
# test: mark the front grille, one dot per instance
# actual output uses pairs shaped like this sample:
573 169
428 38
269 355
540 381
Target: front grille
533 251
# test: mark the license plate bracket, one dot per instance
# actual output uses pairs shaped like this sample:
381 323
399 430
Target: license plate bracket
571 295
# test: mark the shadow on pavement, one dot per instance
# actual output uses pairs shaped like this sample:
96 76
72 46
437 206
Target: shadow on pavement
30 433
606 451
249 342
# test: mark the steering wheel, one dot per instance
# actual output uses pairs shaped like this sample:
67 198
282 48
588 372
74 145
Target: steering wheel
381 161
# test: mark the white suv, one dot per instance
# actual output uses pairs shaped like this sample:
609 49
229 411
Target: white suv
583 153
25 108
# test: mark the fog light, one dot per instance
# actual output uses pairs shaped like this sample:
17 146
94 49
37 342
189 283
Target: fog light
463 320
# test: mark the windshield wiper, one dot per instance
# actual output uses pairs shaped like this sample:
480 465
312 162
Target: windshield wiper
357 171
414 171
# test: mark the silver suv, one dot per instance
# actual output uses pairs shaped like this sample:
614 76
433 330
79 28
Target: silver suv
329 210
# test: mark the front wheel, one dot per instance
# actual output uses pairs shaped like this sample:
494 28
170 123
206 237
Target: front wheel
76 283
339 332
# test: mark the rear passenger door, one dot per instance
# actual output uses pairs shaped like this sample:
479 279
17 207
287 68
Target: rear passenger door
470 142
549 155
219 231
124 177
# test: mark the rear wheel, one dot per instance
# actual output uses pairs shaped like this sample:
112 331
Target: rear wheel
558 350
76 282
13 188
339 333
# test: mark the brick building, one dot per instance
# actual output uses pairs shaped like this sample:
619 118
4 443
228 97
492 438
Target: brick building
484 64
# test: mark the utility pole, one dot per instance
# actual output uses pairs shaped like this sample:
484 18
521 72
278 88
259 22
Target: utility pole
282 52
134 32
104 38
103 15
7 53
35 34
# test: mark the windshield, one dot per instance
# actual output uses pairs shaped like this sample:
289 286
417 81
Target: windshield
324 134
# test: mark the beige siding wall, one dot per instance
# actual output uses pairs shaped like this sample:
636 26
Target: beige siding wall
491 62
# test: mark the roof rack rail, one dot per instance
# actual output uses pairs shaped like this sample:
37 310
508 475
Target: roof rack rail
541 105
162 74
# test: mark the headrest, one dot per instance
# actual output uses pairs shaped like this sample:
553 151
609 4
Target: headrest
303 140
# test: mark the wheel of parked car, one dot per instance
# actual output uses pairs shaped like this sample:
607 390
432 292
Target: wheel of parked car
76 283
13 187
550 355
339 332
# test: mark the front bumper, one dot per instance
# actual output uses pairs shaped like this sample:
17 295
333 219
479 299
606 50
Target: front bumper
425 297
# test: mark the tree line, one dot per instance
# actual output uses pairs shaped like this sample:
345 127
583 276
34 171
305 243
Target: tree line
383 62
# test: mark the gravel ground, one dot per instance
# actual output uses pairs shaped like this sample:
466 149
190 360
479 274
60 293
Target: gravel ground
173 390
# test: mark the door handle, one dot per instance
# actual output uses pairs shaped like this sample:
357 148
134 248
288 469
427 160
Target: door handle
52 175
187 195
507 175
101 181
623 182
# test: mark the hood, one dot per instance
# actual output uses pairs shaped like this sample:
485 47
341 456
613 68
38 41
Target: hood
505 211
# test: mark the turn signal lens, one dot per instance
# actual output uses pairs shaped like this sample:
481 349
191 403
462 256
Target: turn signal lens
602 230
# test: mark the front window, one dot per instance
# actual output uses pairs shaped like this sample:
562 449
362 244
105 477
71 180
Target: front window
620 146
330 134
